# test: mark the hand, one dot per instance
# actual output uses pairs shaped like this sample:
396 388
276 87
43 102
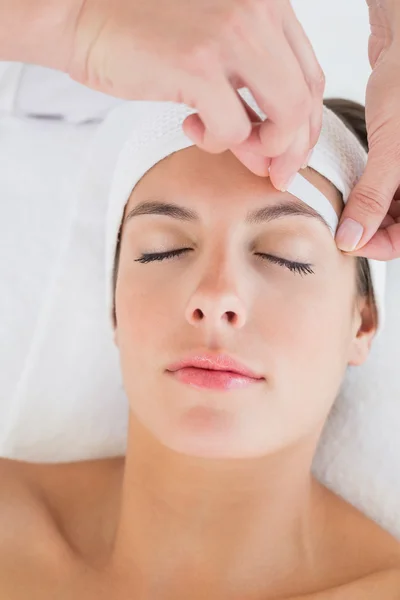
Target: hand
199 53
374 206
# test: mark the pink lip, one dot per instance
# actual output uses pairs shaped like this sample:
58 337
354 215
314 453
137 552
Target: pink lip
219 372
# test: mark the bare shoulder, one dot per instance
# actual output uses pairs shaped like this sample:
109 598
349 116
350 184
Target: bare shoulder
383 585
366 557
364 536
56 520
380 585
30 544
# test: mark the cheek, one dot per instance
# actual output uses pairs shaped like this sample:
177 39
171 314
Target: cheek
145 314
307 337
310 326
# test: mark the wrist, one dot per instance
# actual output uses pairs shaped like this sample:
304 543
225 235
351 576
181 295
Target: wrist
38 31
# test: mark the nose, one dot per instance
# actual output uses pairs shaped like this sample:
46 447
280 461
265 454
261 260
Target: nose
216 302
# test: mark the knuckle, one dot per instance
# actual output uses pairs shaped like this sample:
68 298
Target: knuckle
228 134
200 61
298 109
273 143
370 201
317 82
212 146
237 135
242 14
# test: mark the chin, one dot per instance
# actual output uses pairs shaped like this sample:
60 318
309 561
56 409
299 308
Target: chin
204 432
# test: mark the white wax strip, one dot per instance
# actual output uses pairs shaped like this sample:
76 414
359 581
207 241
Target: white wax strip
302 189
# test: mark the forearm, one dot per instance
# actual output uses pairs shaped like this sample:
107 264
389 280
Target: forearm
38 31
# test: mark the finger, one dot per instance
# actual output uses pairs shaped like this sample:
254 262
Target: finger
384 245
254 161
274 137
221 121
253 146
273 75
369 202
259 165
250 153
285 166
394 210
194 128
387 221
312 71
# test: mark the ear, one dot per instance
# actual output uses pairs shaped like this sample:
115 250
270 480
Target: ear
364 333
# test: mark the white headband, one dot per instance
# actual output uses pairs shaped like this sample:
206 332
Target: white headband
302 189
151 131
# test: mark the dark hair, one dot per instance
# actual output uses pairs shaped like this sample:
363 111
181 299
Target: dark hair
352 115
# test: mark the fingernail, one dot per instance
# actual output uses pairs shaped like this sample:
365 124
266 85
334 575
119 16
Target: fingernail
309 155
285 187
348 235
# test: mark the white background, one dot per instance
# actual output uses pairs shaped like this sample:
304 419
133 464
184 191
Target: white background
339 32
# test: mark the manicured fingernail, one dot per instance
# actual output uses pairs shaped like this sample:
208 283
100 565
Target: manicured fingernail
285 187
348 235
305 165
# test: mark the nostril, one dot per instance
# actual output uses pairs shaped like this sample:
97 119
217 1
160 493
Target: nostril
198 315
231 316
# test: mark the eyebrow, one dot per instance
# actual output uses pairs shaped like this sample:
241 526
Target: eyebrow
254 217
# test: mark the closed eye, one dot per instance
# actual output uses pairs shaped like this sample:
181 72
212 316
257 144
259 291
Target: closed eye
294 267
151 257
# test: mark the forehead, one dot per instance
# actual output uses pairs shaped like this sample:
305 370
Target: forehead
192 175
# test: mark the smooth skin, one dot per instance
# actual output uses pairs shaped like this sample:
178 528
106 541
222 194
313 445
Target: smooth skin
215 499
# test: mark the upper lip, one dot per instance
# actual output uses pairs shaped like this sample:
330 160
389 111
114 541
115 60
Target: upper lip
214 362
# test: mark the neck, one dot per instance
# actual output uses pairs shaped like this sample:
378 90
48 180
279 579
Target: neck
210 524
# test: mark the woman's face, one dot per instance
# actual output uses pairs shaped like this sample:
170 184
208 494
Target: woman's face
258 281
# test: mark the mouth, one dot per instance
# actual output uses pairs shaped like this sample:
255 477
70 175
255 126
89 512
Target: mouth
214 371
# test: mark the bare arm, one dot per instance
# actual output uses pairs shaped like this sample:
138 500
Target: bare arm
38 31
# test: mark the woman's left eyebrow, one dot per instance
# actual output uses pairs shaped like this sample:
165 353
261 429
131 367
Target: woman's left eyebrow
283 209
254 217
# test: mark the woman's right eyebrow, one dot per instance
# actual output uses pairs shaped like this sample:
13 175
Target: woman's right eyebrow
265 214
167 209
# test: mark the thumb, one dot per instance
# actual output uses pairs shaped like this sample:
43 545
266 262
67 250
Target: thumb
370 200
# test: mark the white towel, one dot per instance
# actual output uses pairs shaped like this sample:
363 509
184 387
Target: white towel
31 90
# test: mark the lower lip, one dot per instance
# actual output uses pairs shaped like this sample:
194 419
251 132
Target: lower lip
213 380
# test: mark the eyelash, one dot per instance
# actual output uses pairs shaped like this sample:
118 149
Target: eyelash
148 258
294 267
